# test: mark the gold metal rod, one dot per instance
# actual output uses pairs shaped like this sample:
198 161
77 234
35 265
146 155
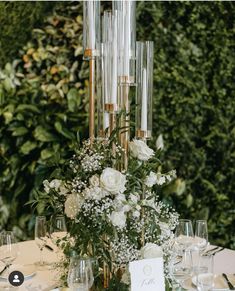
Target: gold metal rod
92 99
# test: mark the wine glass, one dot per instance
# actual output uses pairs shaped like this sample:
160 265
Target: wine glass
58 231
184 235
201 235
40 236
8 248
205 272
78 275
181 270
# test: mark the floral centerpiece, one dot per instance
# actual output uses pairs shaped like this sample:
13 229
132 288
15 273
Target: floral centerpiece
114 216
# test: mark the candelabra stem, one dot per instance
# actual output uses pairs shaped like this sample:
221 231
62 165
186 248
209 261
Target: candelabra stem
125 125
92 99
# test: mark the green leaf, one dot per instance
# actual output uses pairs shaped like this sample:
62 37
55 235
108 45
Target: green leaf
73 99
28 107
27 147
44 135
46 154
18 131
64 131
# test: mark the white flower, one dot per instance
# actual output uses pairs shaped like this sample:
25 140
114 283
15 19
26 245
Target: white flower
94 193
133 198
113 181
73 205
136 214
140 150
126 278
46 185
118 218
161 179
160 142
55 184
126 208
63 190
94 181
150 251
151 179
165 229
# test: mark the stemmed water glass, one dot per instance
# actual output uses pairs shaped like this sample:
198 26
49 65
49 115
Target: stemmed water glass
184 235
41 236
201 235
58 230
8 248
80 275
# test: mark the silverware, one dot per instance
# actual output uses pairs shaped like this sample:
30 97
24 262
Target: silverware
3 270
49 248
211 250
230 285
220 250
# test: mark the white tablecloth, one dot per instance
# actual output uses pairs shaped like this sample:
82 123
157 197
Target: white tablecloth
45 280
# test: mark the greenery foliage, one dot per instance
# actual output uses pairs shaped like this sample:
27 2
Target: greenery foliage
43 104
17 20
40 95
194 105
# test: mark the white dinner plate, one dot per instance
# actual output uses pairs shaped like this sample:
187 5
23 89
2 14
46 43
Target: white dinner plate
219 282
27 270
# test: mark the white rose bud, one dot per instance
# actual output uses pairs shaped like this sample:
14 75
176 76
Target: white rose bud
55 184
46 185
113 181
94 181
150 251
160 142
140 150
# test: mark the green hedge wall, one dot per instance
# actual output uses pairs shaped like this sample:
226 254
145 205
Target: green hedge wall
193 106
17 19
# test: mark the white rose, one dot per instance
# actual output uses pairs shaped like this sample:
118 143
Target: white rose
150 251
94 181
140 150
73 205
55 184
118 218
113 181
160 142
151 179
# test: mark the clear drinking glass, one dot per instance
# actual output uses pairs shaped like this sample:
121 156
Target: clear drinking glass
184 236
8 248
205 272
201 235
40 236
80 275
181 268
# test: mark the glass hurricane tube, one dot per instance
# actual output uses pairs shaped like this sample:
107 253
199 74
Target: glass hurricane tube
126 22
91 28
144 89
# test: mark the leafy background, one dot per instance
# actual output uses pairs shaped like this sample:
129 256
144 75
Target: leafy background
43 103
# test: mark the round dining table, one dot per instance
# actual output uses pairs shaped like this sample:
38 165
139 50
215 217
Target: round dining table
46 278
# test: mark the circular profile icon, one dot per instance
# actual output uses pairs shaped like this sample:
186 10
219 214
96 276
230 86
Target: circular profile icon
16 278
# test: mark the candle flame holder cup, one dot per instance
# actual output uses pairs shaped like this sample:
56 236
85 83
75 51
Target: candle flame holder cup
144 89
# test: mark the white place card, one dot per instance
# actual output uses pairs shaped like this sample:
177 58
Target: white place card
147 275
